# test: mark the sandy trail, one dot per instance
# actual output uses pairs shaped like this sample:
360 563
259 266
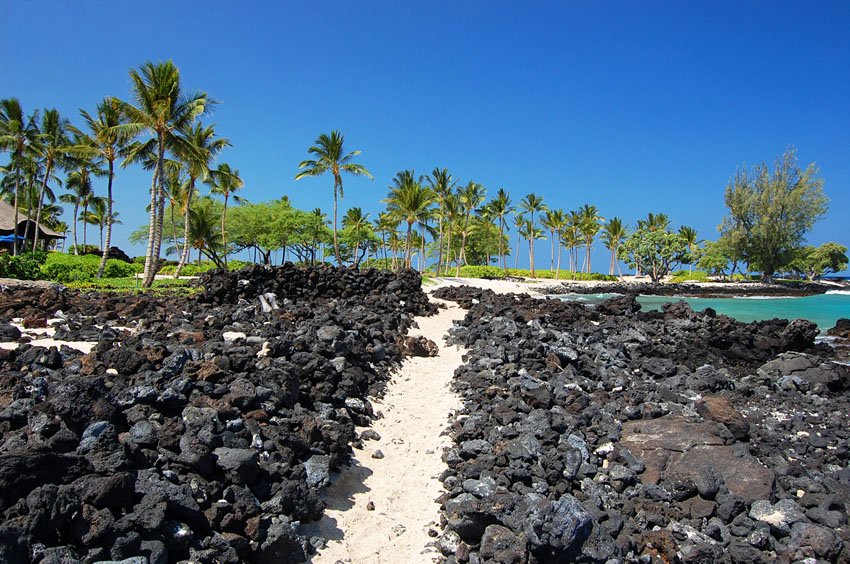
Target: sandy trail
404 484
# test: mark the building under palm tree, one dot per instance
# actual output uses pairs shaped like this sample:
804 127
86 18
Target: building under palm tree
25 227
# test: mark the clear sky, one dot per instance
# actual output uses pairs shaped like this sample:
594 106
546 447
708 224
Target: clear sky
635 107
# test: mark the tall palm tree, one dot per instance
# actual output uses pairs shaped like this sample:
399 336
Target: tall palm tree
531 204
552 221
519 223
160 109
531 233
105 142
409 200
471 196
501 206
657 221
613 234
79 184
385 224
54 148
199 149
96 215
358 227
18 133
330 156
590 223
225 181
689 234
442 184
452 210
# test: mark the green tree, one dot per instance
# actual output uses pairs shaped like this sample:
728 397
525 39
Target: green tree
409 201
773 210
590 222
54 147
330 156
553 220
814 262
501 208
470 197
655 250
225 181
357 235
198 149
161 109
531 233
612 236
18 134
105 143
442 185
689 234
714 258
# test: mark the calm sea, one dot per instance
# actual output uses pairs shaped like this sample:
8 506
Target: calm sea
824 309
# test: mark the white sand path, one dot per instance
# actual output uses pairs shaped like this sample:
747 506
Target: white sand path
404 485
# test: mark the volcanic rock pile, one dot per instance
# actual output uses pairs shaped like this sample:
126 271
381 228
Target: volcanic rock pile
197 428
610 434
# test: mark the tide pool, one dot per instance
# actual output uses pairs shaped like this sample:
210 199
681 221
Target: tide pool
823 309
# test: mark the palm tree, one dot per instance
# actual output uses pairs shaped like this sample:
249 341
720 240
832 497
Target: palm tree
656 222
501 206
54 147
80 186
590 222
552 221
161 109
409 201
330 156
105 142
531 204
452 211
385 224
470 197
17 135
613 234
96 215
519 223
202 148
442 184
531 233
225 181
689 234
359 229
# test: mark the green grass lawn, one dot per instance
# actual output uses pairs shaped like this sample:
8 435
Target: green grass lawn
132 285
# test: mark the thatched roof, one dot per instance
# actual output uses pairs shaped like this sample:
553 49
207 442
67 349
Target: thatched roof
7 222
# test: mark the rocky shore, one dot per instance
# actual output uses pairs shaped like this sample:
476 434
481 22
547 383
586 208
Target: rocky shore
199 429
611 435
696 290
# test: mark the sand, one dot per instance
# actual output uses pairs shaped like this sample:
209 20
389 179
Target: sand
404 484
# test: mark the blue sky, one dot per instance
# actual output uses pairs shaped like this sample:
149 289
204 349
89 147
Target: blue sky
635 107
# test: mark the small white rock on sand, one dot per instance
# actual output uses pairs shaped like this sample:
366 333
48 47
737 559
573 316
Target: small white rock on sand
403 485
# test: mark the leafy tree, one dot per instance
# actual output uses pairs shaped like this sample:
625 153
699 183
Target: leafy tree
330 156
773 210
409 201
501 205
553 220
470 197
161 109
813 262
531 233
655 250
54 148
689 234
357 236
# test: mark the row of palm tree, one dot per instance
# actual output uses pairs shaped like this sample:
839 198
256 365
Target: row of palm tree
158 128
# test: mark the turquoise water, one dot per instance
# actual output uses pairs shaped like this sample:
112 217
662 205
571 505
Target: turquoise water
824 309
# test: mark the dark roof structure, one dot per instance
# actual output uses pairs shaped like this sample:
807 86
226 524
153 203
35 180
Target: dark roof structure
7 223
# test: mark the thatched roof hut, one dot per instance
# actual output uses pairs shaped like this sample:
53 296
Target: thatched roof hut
7 225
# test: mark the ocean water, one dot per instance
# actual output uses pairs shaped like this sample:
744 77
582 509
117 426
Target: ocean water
823 309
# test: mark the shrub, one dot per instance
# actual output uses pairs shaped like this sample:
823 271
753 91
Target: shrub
60 267
84 250
685 276
26 266
497 272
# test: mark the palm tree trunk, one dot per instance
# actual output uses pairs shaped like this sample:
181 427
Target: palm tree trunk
184 256
531 255
440 243
552 258
613 257
448 251
422 260
516 258
502 258
15 232
40 204
150 268
223 225
29 210
108 242
560 253
76 211
337 182
85 223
